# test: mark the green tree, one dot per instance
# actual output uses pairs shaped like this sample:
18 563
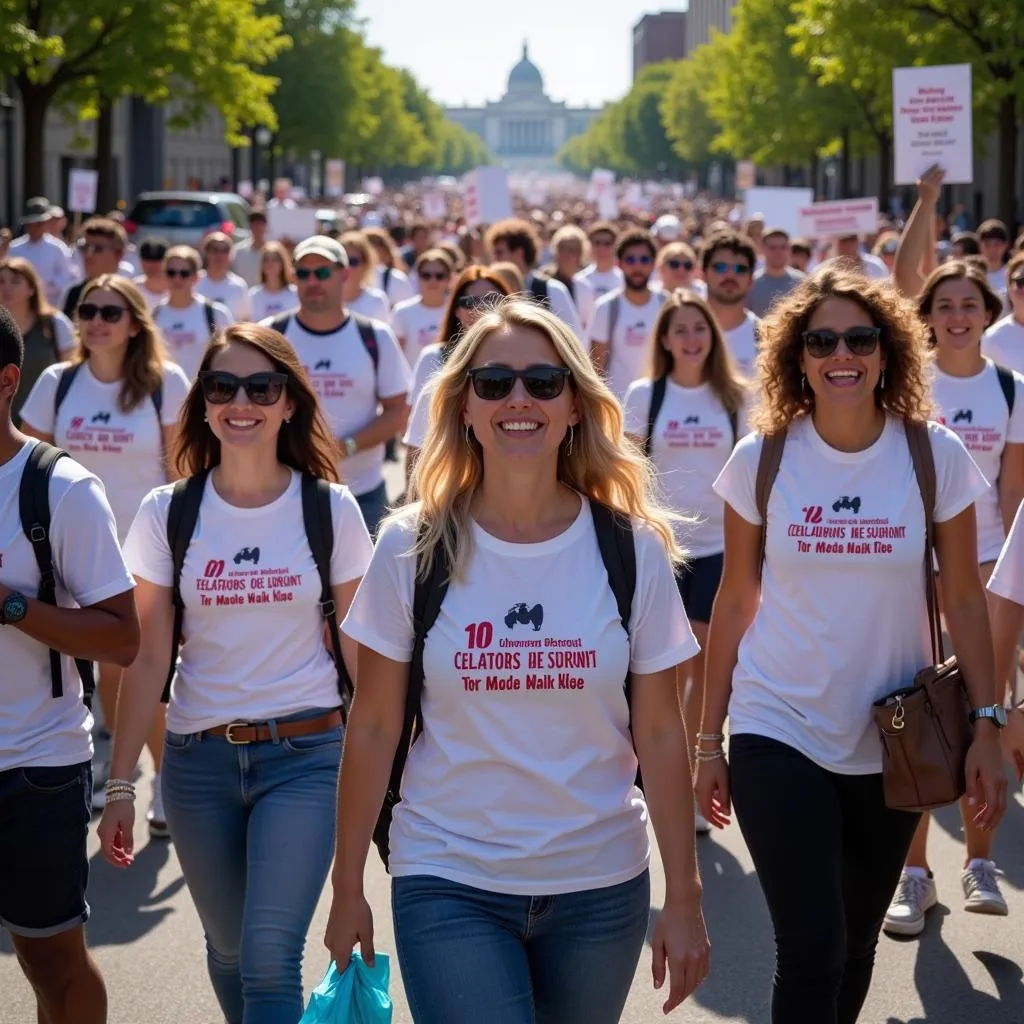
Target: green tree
196 52
689 125
647 149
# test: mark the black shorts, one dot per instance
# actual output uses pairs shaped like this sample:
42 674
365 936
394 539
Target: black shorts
44 866
698 583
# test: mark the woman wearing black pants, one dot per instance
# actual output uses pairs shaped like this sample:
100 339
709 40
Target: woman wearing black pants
839 619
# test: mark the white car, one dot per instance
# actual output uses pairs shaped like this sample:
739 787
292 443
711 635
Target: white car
185 218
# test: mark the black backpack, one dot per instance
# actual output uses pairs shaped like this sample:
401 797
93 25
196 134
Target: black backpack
182 515
615 542
539 290
658 400
67 378
1007 386
367 334
34 507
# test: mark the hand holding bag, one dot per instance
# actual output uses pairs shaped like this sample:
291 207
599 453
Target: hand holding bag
925 729
359 995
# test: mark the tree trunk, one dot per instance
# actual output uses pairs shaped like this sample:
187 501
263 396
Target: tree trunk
106 187
1008 162
35 102
884 171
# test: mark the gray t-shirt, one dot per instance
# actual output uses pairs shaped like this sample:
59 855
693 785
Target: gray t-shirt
765 289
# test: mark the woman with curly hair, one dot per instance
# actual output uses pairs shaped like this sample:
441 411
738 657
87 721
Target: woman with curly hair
837 619
519 849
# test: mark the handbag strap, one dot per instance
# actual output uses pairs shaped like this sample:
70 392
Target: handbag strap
924 469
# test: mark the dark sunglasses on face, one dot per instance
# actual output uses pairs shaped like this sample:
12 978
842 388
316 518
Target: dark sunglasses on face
220 387
861 341
735 268
320 273
355 261
108 314
493 383
184 274
219 249
476 301
92 249
1017 282
433 275
679 264
637 261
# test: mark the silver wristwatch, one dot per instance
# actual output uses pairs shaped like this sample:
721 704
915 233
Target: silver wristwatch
995 713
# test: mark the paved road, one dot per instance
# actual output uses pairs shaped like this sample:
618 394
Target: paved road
965 969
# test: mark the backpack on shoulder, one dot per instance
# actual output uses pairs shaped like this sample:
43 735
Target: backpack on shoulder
367 335
658 400
618 553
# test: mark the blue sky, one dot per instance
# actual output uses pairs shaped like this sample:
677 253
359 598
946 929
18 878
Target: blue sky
462 51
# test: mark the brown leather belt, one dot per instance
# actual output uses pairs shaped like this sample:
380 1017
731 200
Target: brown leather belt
241 733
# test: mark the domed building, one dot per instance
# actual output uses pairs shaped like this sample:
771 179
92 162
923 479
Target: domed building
525 129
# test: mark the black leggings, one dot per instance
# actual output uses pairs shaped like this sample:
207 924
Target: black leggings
828 854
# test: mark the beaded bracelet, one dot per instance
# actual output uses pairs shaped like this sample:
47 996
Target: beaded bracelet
711 737
118 789
709 755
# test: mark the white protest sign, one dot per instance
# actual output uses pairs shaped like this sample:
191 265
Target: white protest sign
602 192
373 186
932 122
780 207
293 222
746 175
634 194
840 218
334 177
434 206
82 188
244 189
486 196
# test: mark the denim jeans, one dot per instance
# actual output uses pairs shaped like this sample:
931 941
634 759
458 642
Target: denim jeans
253 827
373 504
468 955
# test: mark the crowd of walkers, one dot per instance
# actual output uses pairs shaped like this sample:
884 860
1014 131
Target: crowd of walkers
646 469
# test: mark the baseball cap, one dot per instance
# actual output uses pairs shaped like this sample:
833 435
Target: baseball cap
322 245
668 226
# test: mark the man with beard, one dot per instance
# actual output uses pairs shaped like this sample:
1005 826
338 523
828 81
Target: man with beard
728 260
623 319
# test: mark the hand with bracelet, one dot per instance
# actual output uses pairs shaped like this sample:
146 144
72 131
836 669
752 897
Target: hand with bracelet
711 779
116 829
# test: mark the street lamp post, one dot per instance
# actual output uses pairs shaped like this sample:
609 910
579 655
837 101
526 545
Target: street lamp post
8 104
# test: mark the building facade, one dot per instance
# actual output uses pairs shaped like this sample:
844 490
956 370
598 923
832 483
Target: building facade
525 129
702 17
658 37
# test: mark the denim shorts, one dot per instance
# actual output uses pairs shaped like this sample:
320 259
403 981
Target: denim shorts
44 866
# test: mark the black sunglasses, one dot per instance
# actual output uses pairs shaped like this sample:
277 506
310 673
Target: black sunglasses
430 275
493 383
736 268
220 249
633 261
320 273
183 274
861 341
679 264
1017 282
108 314
477 301
220 387
355 261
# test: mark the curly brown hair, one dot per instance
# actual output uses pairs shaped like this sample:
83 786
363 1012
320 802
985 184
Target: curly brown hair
906 392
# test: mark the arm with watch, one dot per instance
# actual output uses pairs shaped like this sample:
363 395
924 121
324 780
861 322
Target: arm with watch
389 423
1007 623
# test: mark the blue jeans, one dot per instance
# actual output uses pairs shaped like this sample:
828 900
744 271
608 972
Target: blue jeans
373 504
253 827
468 955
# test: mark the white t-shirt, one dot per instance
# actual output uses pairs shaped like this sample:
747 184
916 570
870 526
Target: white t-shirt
254 635
52 259
265 303
153 299
419 418
1007 579
997 279
975 410
427 365
245 262
232 291
373 304
522 781
585 297
602 281
1004 343
562 306
742 342
124 449
842 619
186 332
35 728
399 286
692 441
416 326
343 377
629 346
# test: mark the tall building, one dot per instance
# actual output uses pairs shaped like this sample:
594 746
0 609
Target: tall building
525 129
658 37
702 17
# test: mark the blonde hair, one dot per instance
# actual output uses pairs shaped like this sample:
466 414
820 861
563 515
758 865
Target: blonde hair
186 254
37 301
510 274
571 234
367 253
602 464
277 249
675 250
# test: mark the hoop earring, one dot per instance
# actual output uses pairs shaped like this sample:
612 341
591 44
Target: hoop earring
803 383
881 381
568 445
469 443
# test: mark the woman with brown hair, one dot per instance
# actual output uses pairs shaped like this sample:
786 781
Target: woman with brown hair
113 406
249 806
48 334
276 293
798 653
687 414
360 295
391 277
519 850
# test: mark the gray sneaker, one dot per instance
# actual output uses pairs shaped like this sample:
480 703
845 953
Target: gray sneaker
981 889
913 898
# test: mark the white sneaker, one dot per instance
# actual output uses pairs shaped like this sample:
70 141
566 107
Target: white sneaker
155 815
914 897
702 825
980 880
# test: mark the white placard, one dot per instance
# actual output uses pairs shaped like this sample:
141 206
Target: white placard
602 192
292 222
373 186
839 218
932 122
244 189
634 194
434 206
486 196
780 207
334 177
746 175
82 188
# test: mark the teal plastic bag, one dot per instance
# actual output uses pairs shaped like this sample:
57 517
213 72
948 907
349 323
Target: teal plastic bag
357 996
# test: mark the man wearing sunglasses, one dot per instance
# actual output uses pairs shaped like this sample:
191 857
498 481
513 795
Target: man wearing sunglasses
45 726
103 245
776 278
1004 341
356 367
217 283
728 259
603 275
623 319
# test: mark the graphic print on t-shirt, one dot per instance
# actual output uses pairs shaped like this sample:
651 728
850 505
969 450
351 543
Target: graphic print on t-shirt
96 433
823 530
690 433
221 586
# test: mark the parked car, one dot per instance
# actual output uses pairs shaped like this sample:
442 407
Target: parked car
184 218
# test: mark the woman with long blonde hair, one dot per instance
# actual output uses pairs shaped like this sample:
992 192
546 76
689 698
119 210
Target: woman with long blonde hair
276 293
688 413
114 407
541 692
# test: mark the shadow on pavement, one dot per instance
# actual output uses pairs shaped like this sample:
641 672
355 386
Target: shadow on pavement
1008 843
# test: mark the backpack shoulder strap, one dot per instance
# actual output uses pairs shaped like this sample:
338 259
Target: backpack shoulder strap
211 318
64 382
182 515
539 288
368 336
318 519
772 447
734 426
1007 386
386 279
657 401
923 458
280 323
49 334
613 318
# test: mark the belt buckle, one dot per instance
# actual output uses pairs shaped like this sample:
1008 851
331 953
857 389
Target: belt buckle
231 739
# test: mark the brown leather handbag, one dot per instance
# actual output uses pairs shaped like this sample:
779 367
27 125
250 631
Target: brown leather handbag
925 729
